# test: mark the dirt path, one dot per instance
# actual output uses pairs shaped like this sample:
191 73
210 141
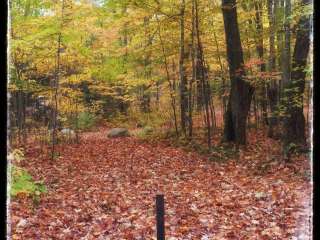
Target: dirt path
105 189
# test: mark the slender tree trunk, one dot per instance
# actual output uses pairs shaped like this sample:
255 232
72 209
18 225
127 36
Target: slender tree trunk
194 74
213 115
125 41
280 40
286 63
255 111
260 51
223 81
203 76
183 79
241 91
198 65
308 103
222 92
171 86
27 8
20 113
272 88
56 87
145 103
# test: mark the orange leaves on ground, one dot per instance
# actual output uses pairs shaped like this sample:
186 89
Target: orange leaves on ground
105 189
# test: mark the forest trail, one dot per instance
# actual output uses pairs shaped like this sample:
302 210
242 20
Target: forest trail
105 189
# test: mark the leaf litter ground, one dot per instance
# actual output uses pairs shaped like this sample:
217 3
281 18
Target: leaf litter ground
105 189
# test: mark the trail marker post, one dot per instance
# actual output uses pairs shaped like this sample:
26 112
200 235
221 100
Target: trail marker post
160 216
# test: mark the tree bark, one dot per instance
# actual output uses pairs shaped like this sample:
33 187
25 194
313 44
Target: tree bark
223 82
194 74
145 96
171 86
280 39
203 76
294 121
56 87
260 51
286 57
183 79
241 91
272 87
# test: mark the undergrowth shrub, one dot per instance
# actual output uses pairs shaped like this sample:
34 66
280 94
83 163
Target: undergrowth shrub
144 133
21 181
85 121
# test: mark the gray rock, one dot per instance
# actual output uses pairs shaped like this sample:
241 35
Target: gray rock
67 131
118 132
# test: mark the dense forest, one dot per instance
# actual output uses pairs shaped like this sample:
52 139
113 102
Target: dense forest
162 96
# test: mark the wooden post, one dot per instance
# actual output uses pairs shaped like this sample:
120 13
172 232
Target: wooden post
160 216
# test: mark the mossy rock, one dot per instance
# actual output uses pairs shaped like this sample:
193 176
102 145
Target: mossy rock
118 132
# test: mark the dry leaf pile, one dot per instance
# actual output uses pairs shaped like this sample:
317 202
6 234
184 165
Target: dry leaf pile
105 189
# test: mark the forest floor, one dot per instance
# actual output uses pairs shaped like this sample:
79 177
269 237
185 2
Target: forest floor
105 189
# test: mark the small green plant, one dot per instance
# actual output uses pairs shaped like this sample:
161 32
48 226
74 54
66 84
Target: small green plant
222 152
22 183
145 133
56 155
85 121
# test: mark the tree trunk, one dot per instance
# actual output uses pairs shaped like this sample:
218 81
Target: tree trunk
260 51
280 40
241 91
194 75
294 120
146 98
171 86
56 87
203 76
183 79
286 57
223 82
272 88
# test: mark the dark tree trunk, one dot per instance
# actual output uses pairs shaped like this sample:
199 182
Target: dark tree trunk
203 76
145 99
21 112
272 88
199 88
294 120
194 75
241 91
183 78
145 96
158 94
280 39
260 51
55 84
286 56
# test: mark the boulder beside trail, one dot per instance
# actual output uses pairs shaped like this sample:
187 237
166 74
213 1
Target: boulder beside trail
67 131
118 132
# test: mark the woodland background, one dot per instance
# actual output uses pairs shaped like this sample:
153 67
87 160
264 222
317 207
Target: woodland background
226 82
